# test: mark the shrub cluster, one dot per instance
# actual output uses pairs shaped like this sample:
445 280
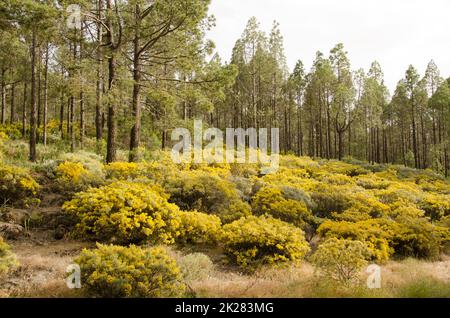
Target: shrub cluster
125 212
17 187
116 271
252 241
7 259
341 259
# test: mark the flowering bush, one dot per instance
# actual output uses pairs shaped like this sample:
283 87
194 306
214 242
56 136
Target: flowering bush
436 206
271 201
17 187
375 234
200 228
73 176
416 237
125 212
115 271
341 259
123 170
7 258
252 241
12 131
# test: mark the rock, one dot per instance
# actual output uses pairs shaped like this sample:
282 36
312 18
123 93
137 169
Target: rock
11 231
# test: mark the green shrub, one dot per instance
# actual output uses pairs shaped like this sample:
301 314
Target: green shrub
125 212
252 241
329 199
208 193
341 259
196 267
115 271
7 259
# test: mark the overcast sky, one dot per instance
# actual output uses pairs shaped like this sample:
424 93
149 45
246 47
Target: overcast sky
396 33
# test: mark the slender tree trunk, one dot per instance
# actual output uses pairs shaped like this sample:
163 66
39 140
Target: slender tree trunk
33 123
111 121
24 109
61 114
3 88
99 89
12 119
136 110
82 110
44 136
39 100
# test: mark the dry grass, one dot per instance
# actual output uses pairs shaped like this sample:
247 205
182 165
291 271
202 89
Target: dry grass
42 273
408 278
42 270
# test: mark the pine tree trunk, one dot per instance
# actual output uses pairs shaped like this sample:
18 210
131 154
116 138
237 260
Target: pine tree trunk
24 109
12 119
136 110
99 88
33 127
44 136
3 89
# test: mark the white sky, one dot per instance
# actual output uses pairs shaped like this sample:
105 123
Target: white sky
396 33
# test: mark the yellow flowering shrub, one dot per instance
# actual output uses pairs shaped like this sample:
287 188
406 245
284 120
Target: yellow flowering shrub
363 206
339 167
125 212
416 237
252 241
7 259
341 259
154 171
271 201
337 179
123 170
12 131
90 161
199 228
371 181
201 191
17 187
3 138
375 234
406 192
436 205
118 272
73 177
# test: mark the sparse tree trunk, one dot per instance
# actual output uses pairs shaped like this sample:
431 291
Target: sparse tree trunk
111 120
3 88
99 89
44 135
24 109
33 123
12 119
136 110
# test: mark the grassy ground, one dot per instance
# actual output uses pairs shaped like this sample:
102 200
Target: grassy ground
44 260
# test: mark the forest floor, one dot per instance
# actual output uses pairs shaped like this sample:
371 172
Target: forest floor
43 262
